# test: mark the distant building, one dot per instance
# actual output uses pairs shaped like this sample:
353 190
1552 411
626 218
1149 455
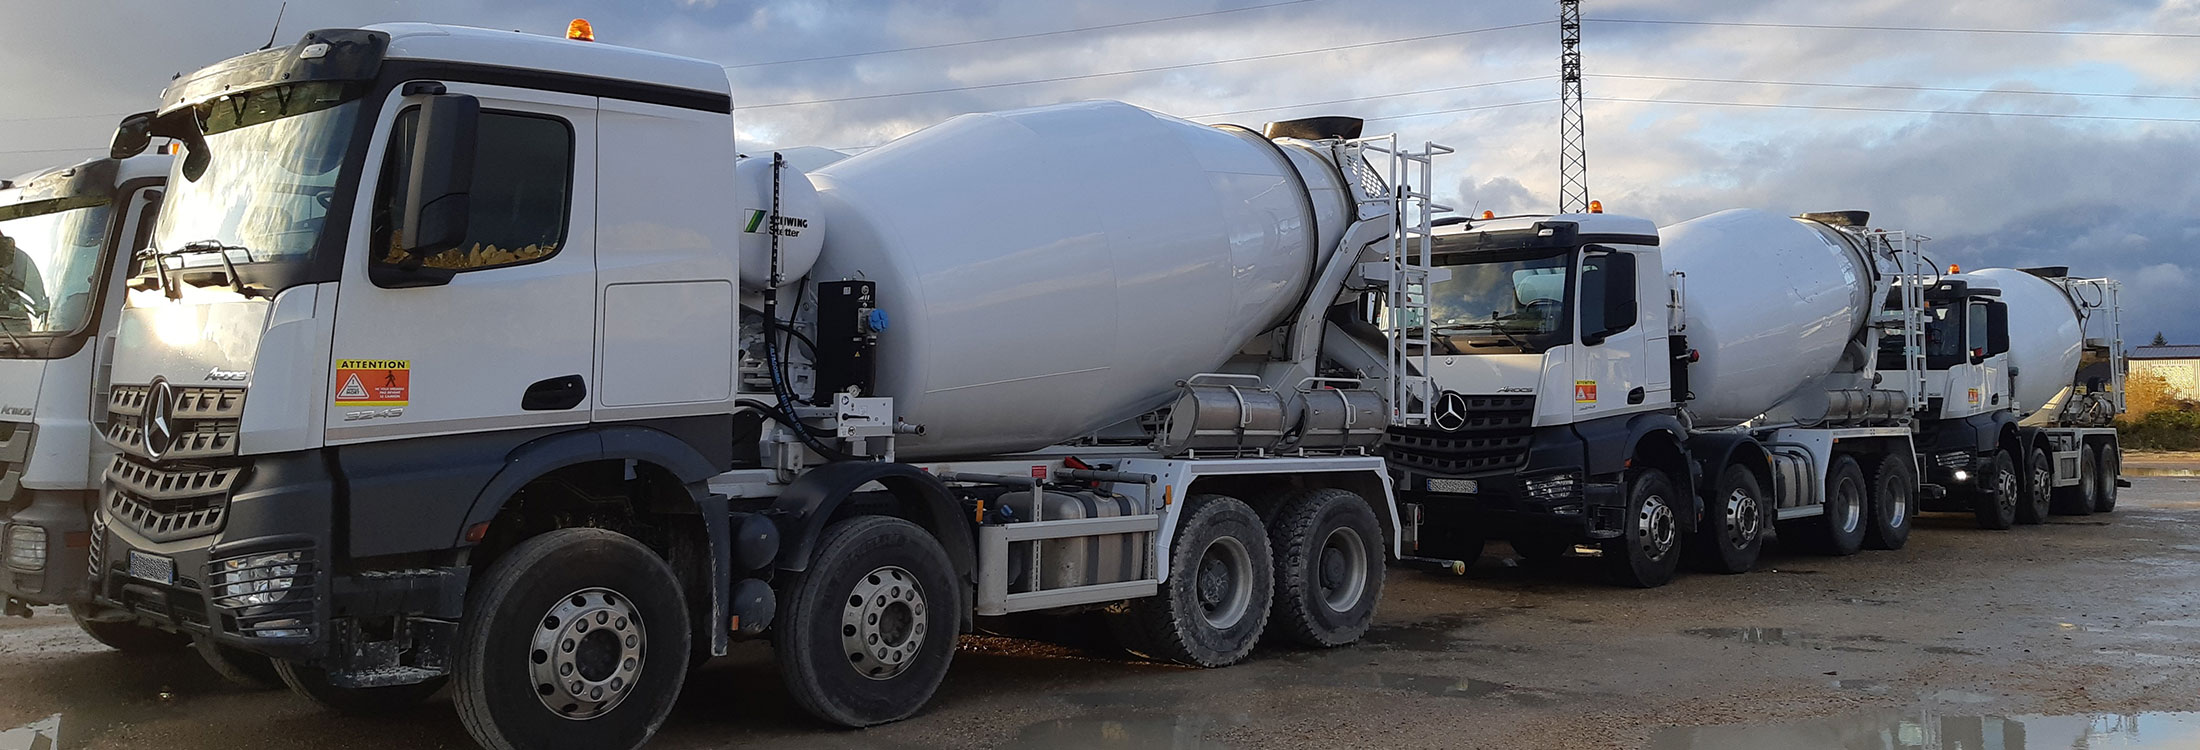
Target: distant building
2179 364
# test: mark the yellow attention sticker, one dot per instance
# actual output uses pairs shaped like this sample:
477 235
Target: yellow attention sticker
373 382
1585 391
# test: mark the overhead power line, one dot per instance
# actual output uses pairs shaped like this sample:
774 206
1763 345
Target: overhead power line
1156 69
1930 29
1829 107
49 150
115 116
1896 87
1371 98
1078 30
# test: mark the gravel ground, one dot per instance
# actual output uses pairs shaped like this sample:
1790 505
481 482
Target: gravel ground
2079 634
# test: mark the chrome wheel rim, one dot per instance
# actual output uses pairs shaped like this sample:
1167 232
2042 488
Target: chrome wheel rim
2043 480
1223 582
1852 507
1744 520
882 623
1656 527
2005 485
587 653
1342 572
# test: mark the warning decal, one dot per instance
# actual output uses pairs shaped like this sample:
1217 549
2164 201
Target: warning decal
1585 391
373 382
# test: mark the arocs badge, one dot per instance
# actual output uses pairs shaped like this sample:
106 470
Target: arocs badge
373 382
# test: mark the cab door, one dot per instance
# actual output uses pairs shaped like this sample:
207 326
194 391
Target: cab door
1612 341
507 342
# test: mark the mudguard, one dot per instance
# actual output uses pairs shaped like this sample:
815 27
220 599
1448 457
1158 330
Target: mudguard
807 505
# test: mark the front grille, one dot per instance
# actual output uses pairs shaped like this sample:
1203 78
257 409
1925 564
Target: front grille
1488 434
206 417
168 504
15 451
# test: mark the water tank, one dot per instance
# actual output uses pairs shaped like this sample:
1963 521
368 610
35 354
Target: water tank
1772 303
2045 336
1056 270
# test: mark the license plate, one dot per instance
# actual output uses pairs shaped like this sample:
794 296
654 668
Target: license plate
1455 486
153 568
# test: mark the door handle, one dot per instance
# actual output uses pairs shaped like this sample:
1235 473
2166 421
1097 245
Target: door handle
1634 396
555 394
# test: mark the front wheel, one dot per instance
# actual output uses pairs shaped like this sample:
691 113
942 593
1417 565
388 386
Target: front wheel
2039 488
1215 604
869 629
127 637
2107 468
313 684
1328 548
575 638
1893 503
1995 505
1733 531
1648 551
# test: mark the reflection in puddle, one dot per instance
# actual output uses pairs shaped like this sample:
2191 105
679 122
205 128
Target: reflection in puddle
1914 730
44 734
1127 731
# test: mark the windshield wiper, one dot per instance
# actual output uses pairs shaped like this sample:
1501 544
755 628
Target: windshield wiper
201 247
1491 327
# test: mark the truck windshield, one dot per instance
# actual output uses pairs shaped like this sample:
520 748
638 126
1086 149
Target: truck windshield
50 256
274 162
1496 303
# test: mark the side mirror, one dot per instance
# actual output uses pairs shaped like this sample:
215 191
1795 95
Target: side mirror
132 136
441 176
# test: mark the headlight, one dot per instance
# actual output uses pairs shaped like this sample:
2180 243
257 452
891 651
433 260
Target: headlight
27 548
1552 487
1962 476
256 579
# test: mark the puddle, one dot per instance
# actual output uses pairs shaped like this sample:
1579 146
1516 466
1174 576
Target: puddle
1128 731
1465 687
1786 637
44 734
2157 471
1918 730
1440 634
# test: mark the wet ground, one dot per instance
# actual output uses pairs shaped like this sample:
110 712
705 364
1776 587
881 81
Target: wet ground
2082 634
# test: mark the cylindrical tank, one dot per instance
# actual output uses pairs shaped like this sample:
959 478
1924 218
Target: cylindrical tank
801 235
1772 303
2046 338
1052 271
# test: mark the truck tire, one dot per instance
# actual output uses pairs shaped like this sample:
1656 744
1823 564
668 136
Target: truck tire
238 665
1732 534
1840 530
312 683
128 637
1329 568
1211 611
1648 552
2034 498
2079 499
2108 468
1542 549
1995 503
574 638
1892 504
869 629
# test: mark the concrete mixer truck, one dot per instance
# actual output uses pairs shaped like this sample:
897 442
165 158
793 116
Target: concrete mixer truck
2007 425
478 358
66 235
1646 394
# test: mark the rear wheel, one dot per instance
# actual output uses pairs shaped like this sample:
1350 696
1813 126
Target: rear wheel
312 682
1214 606
870 627
1733 530
2079 499
1840 530
575 638
1328 548
2107 468
1995 505
128 637
1892 505
1648 551
2038 490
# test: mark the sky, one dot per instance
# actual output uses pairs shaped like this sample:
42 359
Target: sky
2104 186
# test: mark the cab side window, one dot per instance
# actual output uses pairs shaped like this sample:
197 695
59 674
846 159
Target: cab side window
1607 293
520 201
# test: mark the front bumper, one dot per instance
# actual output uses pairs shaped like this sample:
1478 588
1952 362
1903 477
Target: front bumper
61 522
1553 503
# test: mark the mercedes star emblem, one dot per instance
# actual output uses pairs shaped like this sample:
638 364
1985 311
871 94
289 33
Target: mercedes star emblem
160 419
1451 412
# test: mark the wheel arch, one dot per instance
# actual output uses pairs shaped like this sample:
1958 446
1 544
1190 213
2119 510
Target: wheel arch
821 495
1711 453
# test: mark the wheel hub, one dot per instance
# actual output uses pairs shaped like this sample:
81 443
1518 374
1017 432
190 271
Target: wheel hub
1344 569
1852 507
882 623
587 653
1744 520
1225 580
2005 485
1656 526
